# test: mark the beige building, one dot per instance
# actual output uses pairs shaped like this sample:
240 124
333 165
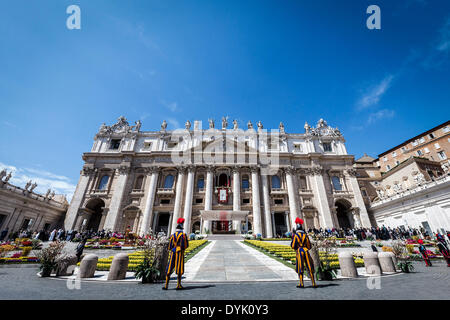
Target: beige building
23 209
221 180
433 144
409 185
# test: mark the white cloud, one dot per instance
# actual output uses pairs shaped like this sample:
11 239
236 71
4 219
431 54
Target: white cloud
443 44
379 115
374 94
172 106
174 123
45 180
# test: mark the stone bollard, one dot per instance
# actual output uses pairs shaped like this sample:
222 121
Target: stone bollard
119 267
66 266
371 263
88 266
386 260
347 265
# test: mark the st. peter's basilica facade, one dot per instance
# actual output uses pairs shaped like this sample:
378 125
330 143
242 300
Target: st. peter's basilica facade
221 180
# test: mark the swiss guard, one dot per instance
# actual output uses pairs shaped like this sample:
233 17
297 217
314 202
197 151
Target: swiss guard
178 242
301 244
423 252
442 246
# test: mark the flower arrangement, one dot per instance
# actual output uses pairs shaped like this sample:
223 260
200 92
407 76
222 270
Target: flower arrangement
48 257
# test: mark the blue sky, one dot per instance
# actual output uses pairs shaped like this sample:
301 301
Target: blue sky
290 61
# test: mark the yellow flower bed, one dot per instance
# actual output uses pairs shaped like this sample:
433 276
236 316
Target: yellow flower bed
137 257
287 253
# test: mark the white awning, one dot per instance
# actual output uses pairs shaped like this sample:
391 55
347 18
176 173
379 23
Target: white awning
223 215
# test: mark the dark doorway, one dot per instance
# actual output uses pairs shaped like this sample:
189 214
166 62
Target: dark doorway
280 224
223 180
163 223
95 208
342 212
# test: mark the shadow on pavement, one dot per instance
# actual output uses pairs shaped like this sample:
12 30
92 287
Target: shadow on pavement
198 287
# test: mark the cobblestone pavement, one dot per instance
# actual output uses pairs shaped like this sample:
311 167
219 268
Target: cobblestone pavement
424 283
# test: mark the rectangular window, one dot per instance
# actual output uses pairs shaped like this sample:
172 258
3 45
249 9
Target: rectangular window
303 184
419 153
426 150
404 149
397 163
394 154
165 201
442 155
327 147
388 167
246 201
364 193
115 144
25 224
384 159
278 201
446 129
437 146
199 200
2 219
297 147
431 136
422 140
414 143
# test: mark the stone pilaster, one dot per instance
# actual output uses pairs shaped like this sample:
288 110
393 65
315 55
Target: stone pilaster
178 197
236 196
320 194
188 200
292 194
148 210
208 196
256 201
77 200
117 198
364 216
268 217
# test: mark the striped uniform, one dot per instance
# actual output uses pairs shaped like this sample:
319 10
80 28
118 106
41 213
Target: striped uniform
301 244
178 242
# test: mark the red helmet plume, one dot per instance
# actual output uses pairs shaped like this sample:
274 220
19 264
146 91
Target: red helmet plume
420 241
180 221
298 221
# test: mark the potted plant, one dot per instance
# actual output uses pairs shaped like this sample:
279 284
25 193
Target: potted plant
147 271
48 258
325 271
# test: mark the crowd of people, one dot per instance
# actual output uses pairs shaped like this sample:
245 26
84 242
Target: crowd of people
58 235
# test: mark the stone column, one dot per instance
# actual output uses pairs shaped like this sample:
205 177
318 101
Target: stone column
274 231
320 194
286 217
148 210
267 215
256 202
178 197
294 212
236 197
117 197
188 200
77 200
208 196
365 221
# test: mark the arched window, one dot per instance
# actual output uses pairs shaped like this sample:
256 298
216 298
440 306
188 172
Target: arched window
200 182
139 183
168 182
103 182
245 183
336 183
276 184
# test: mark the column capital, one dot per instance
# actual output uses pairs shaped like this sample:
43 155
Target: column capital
289 170
86 171
351 172
314 171
153 169
123 169
254 169
236 169
190 168
182 169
